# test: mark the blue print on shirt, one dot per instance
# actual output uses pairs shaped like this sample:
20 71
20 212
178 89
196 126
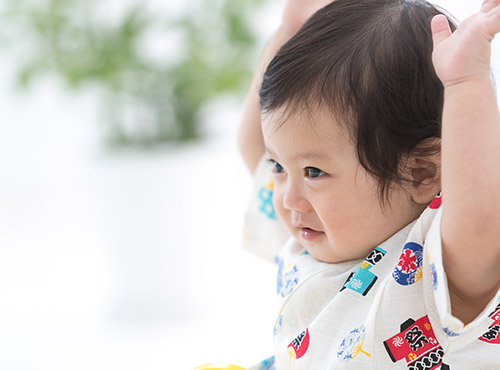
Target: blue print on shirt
267 364
266 202
409 268
288 278
363 279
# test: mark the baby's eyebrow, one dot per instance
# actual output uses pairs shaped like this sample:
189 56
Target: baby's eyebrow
310 155
269 151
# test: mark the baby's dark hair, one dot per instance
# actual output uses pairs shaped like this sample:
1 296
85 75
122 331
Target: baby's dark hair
369 62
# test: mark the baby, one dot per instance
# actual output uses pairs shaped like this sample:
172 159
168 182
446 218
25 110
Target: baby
367 113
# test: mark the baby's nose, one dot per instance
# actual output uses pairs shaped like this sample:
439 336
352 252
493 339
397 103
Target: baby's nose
294 199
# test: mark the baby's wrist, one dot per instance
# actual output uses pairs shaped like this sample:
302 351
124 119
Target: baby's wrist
483 79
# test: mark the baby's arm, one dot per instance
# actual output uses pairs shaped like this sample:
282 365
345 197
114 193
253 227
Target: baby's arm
250 140
470 160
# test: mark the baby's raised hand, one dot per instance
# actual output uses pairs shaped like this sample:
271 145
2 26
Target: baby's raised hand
465 54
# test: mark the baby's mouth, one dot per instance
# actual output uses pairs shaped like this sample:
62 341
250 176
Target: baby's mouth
307 233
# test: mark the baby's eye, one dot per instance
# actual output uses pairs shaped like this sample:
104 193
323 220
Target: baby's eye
276 166
314 172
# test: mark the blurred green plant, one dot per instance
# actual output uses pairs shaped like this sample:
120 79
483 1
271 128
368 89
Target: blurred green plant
147 101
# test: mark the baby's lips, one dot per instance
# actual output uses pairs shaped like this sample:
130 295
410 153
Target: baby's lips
300 225
309 234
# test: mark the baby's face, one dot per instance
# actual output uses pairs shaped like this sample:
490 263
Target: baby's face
325 197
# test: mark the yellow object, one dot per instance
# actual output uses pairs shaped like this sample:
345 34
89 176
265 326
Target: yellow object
358 347
292 354
418 275
219 367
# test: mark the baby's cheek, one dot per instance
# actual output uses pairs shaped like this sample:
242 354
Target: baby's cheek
339 222
280 210
333 215
278 202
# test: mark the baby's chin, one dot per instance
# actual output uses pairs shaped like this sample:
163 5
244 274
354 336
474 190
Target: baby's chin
325 254
319 253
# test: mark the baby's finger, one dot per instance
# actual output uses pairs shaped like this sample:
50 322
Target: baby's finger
488 5
440 29
493 20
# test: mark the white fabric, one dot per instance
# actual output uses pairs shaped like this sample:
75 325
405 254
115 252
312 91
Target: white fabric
263 234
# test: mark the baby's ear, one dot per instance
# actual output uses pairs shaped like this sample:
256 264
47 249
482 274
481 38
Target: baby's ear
424 170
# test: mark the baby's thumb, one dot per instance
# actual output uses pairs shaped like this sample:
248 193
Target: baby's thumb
440 29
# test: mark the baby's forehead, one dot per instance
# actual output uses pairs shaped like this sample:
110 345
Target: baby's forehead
317 122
